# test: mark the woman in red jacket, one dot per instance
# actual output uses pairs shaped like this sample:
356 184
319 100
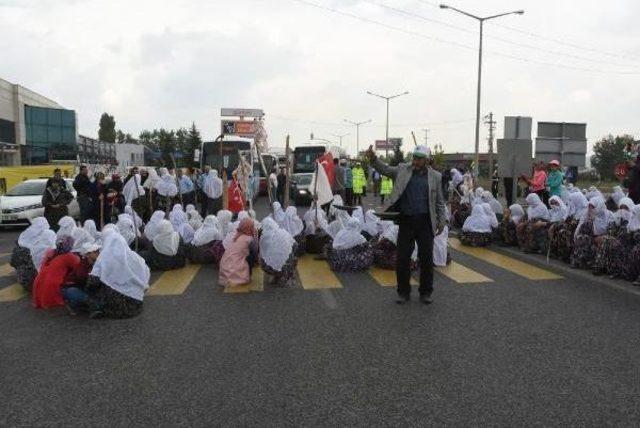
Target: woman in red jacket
57 265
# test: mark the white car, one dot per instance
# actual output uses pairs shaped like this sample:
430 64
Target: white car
23 203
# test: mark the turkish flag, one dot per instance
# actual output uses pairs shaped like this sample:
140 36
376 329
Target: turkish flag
236 200
326 161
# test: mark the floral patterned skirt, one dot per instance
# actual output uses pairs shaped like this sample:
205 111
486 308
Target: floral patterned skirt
301 243
110 302
201 255
158 261
606 255
584 248
286 276
476 239
316 243
20 256
460 214
356 259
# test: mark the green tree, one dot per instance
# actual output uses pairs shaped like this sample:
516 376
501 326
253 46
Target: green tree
194 141
167 145
607 153
107 130
181 145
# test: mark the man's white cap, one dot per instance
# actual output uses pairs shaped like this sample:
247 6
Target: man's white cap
89 248
422 152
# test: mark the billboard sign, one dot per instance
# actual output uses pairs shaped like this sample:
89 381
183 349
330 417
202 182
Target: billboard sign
241 128
241 112
393 142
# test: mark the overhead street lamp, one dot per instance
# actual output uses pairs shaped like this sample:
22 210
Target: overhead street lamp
340 137
357 125
386 153
481 20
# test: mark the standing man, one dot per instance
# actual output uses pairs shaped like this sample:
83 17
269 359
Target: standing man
359 184
273 185
82 184
376 182
495 183
417 196
202 195
386 186
187 188
633 181
282 184
338 182
348 184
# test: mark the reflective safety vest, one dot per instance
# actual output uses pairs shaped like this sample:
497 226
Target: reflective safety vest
359 180
386 186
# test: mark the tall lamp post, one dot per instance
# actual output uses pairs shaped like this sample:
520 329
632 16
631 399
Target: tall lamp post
387 99
481 20
357 125
340 137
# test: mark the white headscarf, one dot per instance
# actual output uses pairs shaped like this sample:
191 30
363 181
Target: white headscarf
195 219
212 185
350 236
186 232
292 222
390 232
177 216
634 222
578 205
31 233
593 193
371 222
623 214
278 214
152 180
478 221
107 229
129 191
126 228
167 186
310 220
167 240
337 200
617 194
224 220
44 242
151 228
67 225
137 221
80 238
121 269
276 244
491 215
456 177
517 212
208 232
602 217
90 227
558 213
536 210
496 206
359 214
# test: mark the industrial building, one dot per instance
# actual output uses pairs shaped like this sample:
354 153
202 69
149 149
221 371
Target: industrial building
34 129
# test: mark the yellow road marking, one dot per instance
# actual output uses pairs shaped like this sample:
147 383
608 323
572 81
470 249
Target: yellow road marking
256 284
12 293
516 266
316 274
386 277
6 270
462 274
174 282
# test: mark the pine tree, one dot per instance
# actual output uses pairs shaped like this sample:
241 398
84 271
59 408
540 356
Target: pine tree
194 141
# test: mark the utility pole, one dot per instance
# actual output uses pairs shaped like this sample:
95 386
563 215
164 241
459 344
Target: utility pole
492 127
426 137
340 137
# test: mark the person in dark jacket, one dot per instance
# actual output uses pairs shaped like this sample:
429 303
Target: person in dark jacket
82 185
98 192
56 200
116 197
632 183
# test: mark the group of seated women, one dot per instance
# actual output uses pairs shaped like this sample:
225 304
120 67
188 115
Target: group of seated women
81 268
582 228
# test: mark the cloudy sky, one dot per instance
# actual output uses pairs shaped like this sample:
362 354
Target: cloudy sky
165 64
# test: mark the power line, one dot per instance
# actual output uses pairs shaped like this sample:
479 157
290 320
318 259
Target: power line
549 39
501 39
449 42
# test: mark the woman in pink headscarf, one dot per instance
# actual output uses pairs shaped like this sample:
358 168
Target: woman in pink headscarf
236 263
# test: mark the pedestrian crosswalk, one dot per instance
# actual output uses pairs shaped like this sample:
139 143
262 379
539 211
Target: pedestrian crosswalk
315 274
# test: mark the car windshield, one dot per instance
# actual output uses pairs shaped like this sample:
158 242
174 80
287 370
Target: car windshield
303 180
28 188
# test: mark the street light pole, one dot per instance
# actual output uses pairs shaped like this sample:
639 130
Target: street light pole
357 125
340 137
387 99
479 94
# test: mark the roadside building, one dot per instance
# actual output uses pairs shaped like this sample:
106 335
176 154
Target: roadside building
34 129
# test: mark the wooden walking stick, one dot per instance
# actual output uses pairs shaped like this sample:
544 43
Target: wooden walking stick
135 223
286 173
101 199
173 160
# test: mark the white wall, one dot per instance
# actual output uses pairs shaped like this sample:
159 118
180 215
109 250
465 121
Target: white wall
124 154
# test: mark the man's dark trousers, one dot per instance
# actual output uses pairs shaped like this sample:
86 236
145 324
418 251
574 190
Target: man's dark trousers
415 229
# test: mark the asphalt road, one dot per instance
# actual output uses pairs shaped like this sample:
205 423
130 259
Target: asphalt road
511 351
